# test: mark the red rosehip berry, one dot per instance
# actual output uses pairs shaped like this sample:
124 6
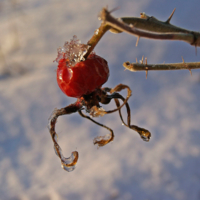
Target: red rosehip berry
77 76
82 78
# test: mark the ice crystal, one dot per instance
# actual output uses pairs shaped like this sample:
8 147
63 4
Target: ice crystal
96 111
97 31
72 51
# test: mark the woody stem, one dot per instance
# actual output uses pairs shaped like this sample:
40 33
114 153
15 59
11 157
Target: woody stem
96 37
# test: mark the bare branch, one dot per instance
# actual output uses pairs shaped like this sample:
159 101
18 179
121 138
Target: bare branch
150 28
135 67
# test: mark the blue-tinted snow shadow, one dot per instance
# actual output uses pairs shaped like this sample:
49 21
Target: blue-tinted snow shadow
176 182
13 138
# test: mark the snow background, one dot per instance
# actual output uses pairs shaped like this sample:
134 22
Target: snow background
167 104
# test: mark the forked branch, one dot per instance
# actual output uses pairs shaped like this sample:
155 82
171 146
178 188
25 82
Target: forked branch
169 32
145 26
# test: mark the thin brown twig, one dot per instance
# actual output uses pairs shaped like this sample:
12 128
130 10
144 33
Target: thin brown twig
135 67
98 34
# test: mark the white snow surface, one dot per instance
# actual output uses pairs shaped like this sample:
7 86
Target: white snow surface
167 104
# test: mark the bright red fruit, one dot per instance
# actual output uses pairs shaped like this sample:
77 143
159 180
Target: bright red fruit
82 78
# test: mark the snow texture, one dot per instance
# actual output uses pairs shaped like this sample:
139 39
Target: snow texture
167 104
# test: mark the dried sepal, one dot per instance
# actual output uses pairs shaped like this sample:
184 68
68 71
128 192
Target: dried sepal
67 163
100 140
97 111
144 134
114 94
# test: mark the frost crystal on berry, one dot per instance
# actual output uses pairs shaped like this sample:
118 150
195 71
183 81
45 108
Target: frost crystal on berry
72 51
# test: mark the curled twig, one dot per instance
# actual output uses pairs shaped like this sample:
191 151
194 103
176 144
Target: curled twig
144 134
100 140
67 163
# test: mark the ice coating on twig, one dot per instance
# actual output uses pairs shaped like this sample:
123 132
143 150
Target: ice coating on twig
96 112
72 51
67 164
103 140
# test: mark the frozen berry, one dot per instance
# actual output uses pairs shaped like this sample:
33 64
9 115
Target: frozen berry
82 78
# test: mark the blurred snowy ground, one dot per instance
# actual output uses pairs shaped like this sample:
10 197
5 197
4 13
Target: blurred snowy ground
167 104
